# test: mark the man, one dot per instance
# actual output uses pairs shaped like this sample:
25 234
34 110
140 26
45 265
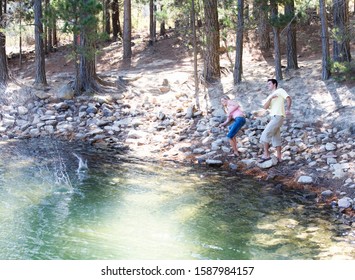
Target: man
275 103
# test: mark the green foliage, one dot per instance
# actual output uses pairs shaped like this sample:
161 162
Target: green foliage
343 71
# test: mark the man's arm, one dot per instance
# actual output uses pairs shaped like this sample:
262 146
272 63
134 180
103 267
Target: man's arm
268 101
289 103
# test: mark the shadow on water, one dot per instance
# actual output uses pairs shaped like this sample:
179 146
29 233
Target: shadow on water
124 208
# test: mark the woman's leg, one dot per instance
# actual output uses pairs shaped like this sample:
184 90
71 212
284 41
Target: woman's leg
233 143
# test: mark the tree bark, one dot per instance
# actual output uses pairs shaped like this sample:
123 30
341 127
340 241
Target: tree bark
40 77
195 53
107 17
291 47
238 67
127 30
211 58
325 41
86 80
116 26
341 42
162 24
151 23
276 32
4 70
263 25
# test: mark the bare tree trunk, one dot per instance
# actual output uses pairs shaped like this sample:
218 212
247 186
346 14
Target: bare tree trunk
263 25
195 54
291 37
151 23
238 67
325 41
277 51
40 77
211 58
4 72
127 30
162 24
86 80
341 42
116 27
107 17
55 38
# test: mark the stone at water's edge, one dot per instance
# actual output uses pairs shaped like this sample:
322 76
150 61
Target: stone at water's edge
214 162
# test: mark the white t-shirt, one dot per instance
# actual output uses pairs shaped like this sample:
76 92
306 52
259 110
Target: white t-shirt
277 105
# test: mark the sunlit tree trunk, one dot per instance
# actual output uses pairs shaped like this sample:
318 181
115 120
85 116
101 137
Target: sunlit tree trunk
238 66
211 57
127 30
40 77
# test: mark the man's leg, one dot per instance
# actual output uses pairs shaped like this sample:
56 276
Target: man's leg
266 150
278 153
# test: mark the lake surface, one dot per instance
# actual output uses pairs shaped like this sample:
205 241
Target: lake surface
125 208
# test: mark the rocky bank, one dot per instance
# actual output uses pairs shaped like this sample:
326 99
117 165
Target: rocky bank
153 116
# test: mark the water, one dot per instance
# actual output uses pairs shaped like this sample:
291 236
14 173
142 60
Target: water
124 208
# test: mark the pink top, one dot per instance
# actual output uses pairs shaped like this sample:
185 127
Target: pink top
234 110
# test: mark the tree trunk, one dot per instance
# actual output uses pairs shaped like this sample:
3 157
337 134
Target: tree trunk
107 17
211 57
291 37
4 71
151 23
86 80
238 67
277 51
162 24
116 26
195 54
40 77
325 41
127 30
54 30
263 25
341 42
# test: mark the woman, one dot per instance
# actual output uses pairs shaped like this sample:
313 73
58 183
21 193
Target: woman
234 112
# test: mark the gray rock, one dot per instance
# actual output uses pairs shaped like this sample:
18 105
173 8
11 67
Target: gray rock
345 202
214 162
305 180
66 92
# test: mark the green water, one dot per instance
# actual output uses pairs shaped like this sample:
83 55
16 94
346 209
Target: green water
125 208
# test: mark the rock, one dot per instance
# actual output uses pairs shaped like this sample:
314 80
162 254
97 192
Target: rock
267 164
190 112
22 110
327 193
345 202
305 180
214 162
330 147
66 92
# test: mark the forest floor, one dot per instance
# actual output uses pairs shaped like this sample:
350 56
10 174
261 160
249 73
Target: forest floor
170 59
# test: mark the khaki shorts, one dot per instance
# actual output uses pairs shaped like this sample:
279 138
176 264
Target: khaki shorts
271 133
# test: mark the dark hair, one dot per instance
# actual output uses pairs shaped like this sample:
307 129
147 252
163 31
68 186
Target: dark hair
273 81
225 97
